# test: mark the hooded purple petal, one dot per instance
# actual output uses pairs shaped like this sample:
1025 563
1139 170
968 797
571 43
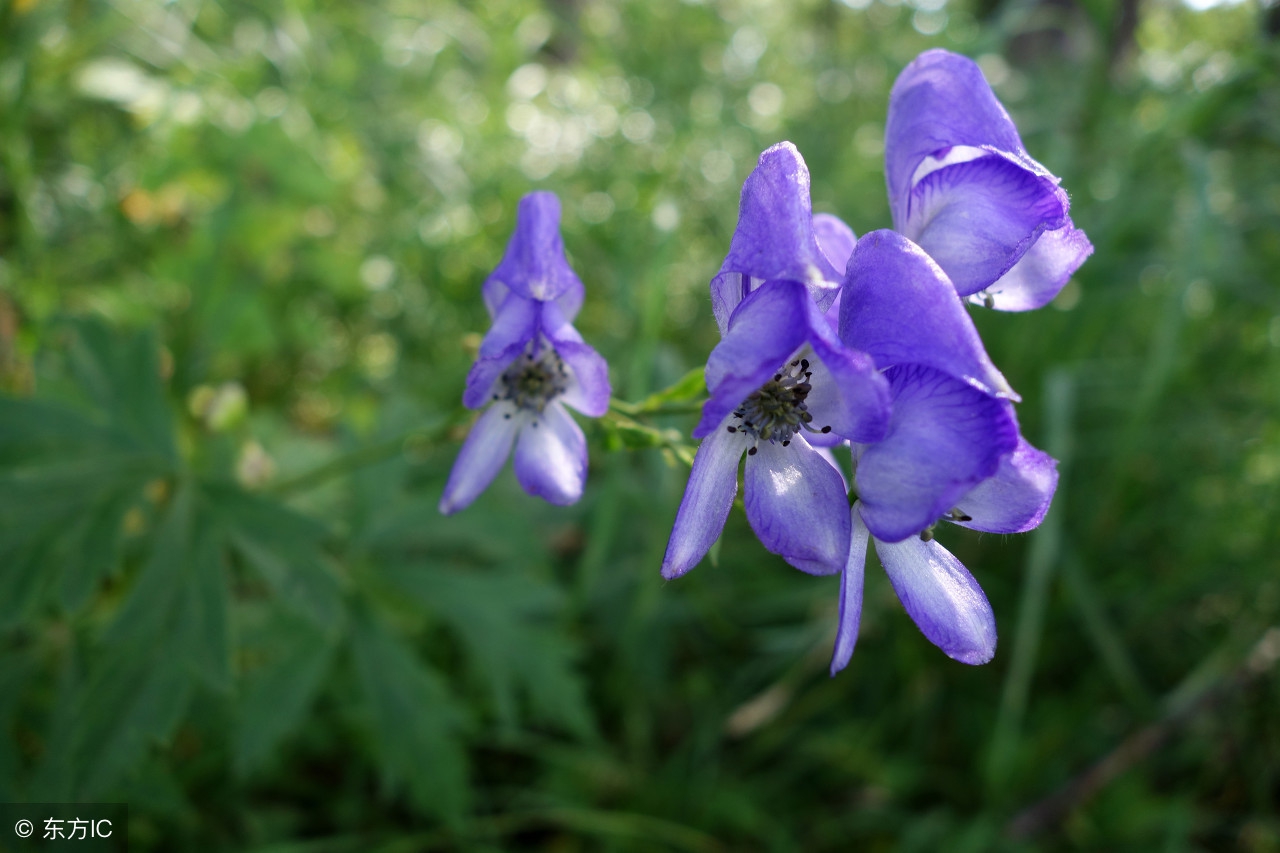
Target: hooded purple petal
977 218
899 307
482 456
1043 271
775 237
796 504
942 598
939 101
765 330
708 496
1016 498
534 265
551 456
851 584
944 438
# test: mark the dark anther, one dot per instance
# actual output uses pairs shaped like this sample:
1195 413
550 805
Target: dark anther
732 429
751 452
804 364
777 377
786 443
794 363
507 417
826 429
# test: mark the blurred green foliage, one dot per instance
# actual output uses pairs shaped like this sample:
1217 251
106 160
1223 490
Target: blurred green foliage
240 255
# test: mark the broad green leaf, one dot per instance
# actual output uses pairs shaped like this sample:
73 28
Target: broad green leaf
517 649
414 724
275 696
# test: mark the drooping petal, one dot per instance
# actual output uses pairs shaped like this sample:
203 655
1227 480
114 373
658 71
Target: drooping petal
848 394
939 101
976 219
851 584
1043 271
708 497
899 307
770 325
796 504
942 598
551 456
589 388
534 265
1016 498
482 456
944 438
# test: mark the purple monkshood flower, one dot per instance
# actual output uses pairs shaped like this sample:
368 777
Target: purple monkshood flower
780 382
532 363
952 451
962 187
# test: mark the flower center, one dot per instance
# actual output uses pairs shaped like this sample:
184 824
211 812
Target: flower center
777 411
532 380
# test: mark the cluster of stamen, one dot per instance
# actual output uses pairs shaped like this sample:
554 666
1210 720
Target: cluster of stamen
778 411
533 380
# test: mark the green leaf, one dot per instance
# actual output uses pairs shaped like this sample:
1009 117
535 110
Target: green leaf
203 630
293 659
284 548
507 623
414 724
691 386
121 374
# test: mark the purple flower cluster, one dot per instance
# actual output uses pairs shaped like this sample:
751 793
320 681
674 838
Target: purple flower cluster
826 340
531 364
829 339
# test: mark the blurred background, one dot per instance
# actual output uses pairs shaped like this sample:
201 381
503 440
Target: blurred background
241 247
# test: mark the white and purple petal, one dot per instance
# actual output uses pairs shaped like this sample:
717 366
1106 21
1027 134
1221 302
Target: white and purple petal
796 504
551 455
708 497
942 598
977 218
1040 273
944 438
852 580
899 307
1015 498
482 456
939 101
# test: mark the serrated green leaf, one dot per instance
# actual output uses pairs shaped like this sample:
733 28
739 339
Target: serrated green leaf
284 548
506 622
92 549
415 725
203 630
275 695
121 374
